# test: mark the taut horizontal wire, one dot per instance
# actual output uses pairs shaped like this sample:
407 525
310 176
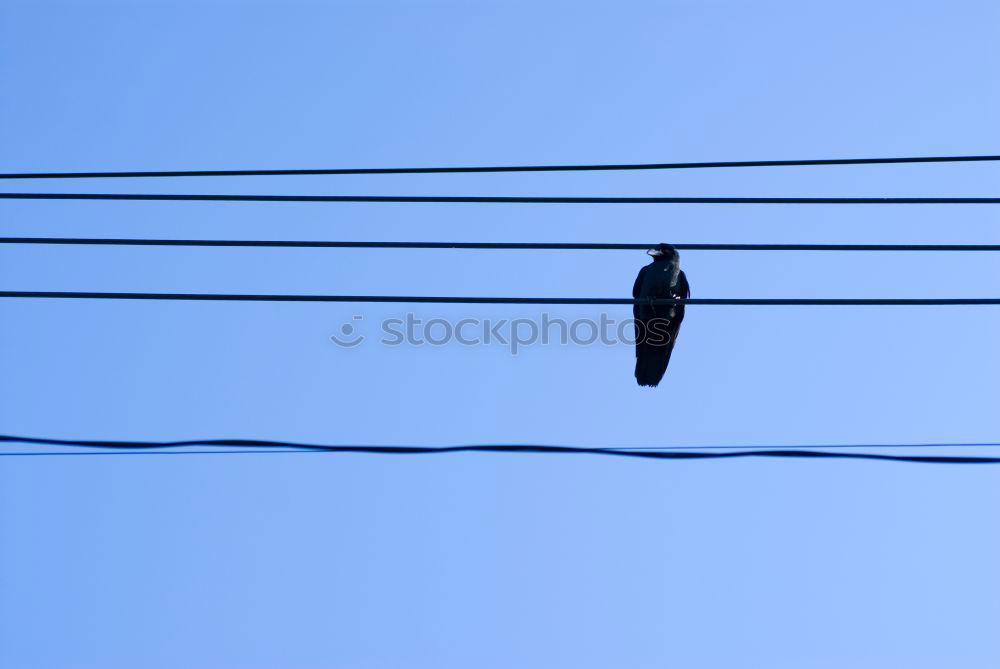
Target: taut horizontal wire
493 245
507 168
477 199
231 297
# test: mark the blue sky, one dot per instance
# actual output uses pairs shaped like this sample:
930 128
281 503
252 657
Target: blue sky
479 560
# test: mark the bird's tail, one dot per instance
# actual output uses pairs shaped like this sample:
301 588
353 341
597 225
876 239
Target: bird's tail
651 364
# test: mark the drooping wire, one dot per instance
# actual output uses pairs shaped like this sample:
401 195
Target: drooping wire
263 446
270 443
503 168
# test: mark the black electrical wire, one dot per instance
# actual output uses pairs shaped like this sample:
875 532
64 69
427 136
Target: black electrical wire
231 297
494 245
252 446
263 443
473 199
660 455
507 168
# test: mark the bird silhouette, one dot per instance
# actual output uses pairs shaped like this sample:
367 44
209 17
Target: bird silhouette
657 325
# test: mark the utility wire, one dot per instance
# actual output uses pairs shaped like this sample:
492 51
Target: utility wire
262 443
473 199
660 455
495 245
251 445
946 445
231 297
508 168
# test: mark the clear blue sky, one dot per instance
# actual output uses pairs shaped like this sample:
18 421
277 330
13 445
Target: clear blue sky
308 561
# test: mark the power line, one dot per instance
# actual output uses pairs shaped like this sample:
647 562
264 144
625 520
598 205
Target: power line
494 245
267 443
980 444
230 297
150 448
507 168
478 199
660 455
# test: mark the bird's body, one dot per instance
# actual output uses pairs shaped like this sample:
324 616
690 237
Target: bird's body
656 326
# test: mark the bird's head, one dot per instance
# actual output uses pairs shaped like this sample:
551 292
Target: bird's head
664 252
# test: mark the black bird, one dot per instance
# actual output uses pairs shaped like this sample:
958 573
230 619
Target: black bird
657 325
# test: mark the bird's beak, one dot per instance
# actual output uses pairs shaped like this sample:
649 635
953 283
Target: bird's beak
654 252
